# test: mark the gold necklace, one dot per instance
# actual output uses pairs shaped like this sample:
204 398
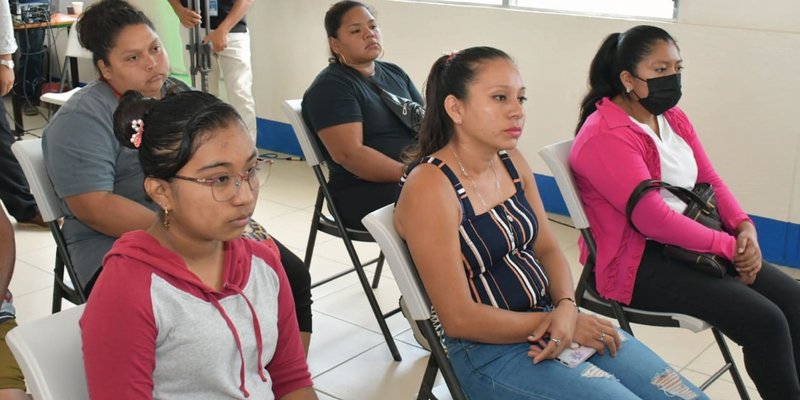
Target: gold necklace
474 185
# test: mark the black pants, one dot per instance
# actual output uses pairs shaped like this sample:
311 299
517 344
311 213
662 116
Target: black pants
355 202
14 191
300 281
763 318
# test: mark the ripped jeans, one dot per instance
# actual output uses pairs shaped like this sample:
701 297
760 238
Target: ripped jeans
489 371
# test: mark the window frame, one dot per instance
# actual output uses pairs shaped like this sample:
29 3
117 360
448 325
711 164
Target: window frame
506 4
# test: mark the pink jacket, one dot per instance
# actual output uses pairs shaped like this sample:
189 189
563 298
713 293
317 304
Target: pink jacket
610 156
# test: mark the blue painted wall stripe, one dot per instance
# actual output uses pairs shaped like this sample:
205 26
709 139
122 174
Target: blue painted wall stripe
779 240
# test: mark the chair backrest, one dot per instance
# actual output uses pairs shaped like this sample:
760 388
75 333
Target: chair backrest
306 138
556 156
49 353
29 155
380 223
74 48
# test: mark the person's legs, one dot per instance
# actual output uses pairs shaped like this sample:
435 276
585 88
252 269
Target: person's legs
743 314
488 371
12 383
238 75
644 373
14 191
31 62
300 280
784 292
355 202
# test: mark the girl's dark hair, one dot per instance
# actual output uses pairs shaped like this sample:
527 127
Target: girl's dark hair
173 127
101 23
619 52
333 20
450 75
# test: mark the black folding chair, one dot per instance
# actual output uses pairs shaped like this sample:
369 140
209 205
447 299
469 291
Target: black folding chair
334 226
29 155
380 223
557 158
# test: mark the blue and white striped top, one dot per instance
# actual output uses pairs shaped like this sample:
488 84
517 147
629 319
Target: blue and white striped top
497 247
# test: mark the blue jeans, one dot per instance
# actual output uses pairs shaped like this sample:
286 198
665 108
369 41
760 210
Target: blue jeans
489 371
30 68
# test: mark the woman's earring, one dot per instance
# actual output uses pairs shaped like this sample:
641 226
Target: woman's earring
165 218
342 60
628 89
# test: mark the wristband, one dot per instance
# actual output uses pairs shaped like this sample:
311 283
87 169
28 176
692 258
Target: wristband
570 299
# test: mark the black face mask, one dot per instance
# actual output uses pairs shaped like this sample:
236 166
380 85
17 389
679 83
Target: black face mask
663 93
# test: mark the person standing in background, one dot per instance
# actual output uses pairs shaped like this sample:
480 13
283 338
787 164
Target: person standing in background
31 66
14 191
230 44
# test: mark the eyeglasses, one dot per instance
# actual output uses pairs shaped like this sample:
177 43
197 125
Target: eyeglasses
225 187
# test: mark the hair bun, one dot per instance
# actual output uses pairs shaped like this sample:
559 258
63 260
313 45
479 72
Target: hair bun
133 106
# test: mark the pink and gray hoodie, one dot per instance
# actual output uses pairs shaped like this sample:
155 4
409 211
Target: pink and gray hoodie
153 330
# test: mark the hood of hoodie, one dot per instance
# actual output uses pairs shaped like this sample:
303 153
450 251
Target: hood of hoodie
142 247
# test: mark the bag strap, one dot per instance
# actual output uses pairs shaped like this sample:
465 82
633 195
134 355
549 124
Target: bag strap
370 82
686 195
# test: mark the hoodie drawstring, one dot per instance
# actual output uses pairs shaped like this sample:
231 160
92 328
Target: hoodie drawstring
228 321
256 329
232 327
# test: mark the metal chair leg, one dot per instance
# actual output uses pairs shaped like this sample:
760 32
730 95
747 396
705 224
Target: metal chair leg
373 302
730 364
378 270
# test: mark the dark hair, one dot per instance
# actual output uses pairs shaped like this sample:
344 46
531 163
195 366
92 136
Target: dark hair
173 127
101 23
333 20
450 74
619 52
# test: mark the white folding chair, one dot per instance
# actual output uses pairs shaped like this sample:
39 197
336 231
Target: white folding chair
380 223
556 156
29 155
74 50
334 226
49 353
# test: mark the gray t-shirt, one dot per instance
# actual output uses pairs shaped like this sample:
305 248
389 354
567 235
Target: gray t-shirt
82 155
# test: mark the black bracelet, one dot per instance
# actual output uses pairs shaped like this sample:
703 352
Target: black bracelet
570 299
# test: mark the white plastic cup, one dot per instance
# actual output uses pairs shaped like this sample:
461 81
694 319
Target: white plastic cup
77 6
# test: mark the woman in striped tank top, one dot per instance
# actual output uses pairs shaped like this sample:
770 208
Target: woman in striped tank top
501 288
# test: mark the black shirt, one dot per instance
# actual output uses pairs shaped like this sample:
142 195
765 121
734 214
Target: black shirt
339 96
223 9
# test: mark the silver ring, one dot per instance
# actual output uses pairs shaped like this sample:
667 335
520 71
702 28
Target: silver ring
602 337
556 341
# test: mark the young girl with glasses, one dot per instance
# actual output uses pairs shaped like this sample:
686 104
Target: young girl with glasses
187 308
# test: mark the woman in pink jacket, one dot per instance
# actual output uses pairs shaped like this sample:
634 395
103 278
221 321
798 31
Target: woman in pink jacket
631 131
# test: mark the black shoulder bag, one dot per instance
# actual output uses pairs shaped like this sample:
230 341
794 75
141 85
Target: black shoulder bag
408 111
701 207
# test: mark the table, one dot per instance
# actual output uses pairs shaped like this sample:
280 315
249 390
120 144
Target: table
57 20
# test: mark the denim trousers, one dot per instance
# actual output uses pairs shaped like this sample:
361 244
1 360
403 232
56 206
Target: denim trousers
763 318
492 371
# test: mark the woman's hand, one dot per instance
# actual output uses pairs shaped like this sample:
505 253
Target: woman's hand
560 327
598 334
747 255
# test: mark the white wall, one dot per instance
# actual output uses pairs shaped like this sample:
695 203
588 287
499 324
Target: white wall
739 84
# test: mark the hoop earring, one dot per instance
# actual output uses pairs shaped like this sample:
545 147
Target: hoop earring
165 218
343 60
380 57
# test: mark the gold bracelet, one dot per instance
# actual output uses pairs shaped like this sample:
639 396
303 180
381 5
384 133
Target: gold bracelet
570 299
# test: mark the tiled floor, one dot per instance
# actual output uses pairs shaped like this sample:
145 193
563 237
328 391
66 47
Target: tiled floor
348 357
